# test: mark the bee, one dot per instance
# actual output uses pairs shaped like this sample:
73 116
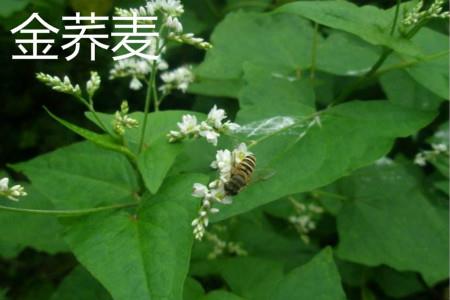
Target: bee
241 175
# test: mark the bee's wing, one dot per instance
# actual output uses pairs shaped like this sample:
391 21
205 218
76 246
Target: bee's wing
263 174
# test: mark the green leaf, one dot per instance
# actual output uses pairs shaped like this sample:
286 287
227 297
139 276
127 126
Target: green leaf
432 74
318 280
22 230
101 140
154 163
142 254
280 42
367 22
42 233
79 284
403 90
388 220
215 87
193 290
253 230
345 54
269 94
251 277
352 135
82 176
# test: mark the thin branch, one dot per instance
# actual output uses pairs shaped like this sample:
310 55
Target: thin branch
66 213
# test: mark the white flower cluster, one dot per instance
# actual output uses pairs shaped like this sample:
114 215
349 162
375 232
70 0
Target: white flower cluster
421 158
137 68
122 121
172 8
189 39
209 129
214 192
13 192
178 79
93 84
220 247
418 14
61 85
304 220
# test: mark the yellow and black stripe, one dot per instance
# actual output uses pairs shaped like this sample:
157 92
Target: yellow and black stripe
240 175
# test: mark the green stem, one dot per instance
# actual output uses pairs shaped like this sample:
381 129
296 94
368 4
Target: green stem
394 24
155 96
329 194
147 105
66 213
361 81
314 52
406 64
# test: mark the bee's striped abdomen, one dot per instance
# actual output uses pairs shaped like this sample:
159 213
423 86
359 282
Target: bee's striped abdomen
240 175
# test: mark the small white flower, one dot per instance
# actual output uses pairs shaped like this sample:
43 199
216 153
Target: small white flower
93 84
12 193
135 84
174 24
188 124
4 183
218 194
214 210
122 121
240 153
172 8
17 191
215 117
178 79
439 147
211 136
224 163
420 160
200 190
229 126
174 136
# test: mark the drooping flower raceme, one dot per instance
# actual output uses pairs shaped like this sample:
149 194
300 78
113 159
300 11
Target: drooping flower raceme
214 192
210 129
12 193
